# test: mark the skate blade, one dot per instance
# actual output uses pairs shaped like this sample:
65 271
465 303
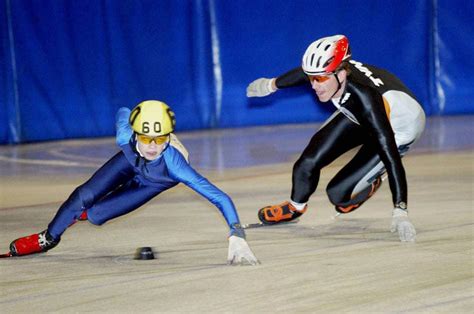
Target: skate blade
261 224
9 254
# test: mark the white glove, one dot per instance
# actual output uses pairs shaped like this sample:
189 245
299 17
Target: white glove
260 87
401 223
240 252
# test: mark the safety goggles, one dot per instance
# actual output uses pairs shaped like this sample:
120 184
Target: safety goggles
319 78
148 139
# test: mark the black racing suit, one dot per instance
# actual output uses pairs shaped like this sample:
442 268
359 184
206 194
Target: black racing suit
377 112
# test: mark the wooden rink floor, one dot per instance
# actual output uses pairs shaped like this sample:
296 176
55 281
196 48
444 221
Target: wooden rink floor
322 264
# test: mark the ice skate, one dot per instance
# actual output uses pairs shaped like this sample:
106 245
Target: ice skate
279 213
35 243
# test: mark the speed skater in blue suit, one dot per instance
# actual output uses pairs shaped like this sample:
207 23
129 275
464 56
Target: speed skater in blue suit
151 160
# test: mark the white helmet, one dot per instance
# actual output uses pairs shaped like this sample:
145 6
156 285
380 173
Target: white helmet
325 55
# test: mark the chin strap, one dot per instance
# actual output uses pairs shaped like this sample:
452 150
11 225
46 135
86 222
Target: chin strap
339 86
138 150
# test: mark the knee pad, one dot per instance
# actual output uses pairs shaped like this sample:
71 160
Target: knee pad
359 199
93 219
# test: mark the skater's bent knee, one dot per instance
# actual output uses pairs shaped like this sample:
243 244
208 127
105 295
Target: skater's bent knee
304 166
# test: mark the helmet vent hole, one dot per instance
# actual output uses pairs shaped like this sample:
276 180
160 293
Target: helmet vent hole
327 47
319 61
328 62
312 59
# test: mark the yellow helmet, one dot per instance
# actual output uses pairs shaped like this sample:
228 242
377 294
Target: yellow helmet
152 118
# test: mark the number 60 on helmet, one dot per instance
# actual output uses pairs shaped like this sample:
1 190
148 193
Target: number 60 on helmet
152 118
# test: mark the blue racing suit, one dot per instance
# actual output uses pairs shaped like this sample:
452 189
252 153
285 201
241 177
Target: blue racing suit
127 181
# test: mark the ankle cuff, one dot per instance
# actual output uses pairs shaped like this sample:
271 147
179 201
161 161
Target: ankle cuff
298 206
